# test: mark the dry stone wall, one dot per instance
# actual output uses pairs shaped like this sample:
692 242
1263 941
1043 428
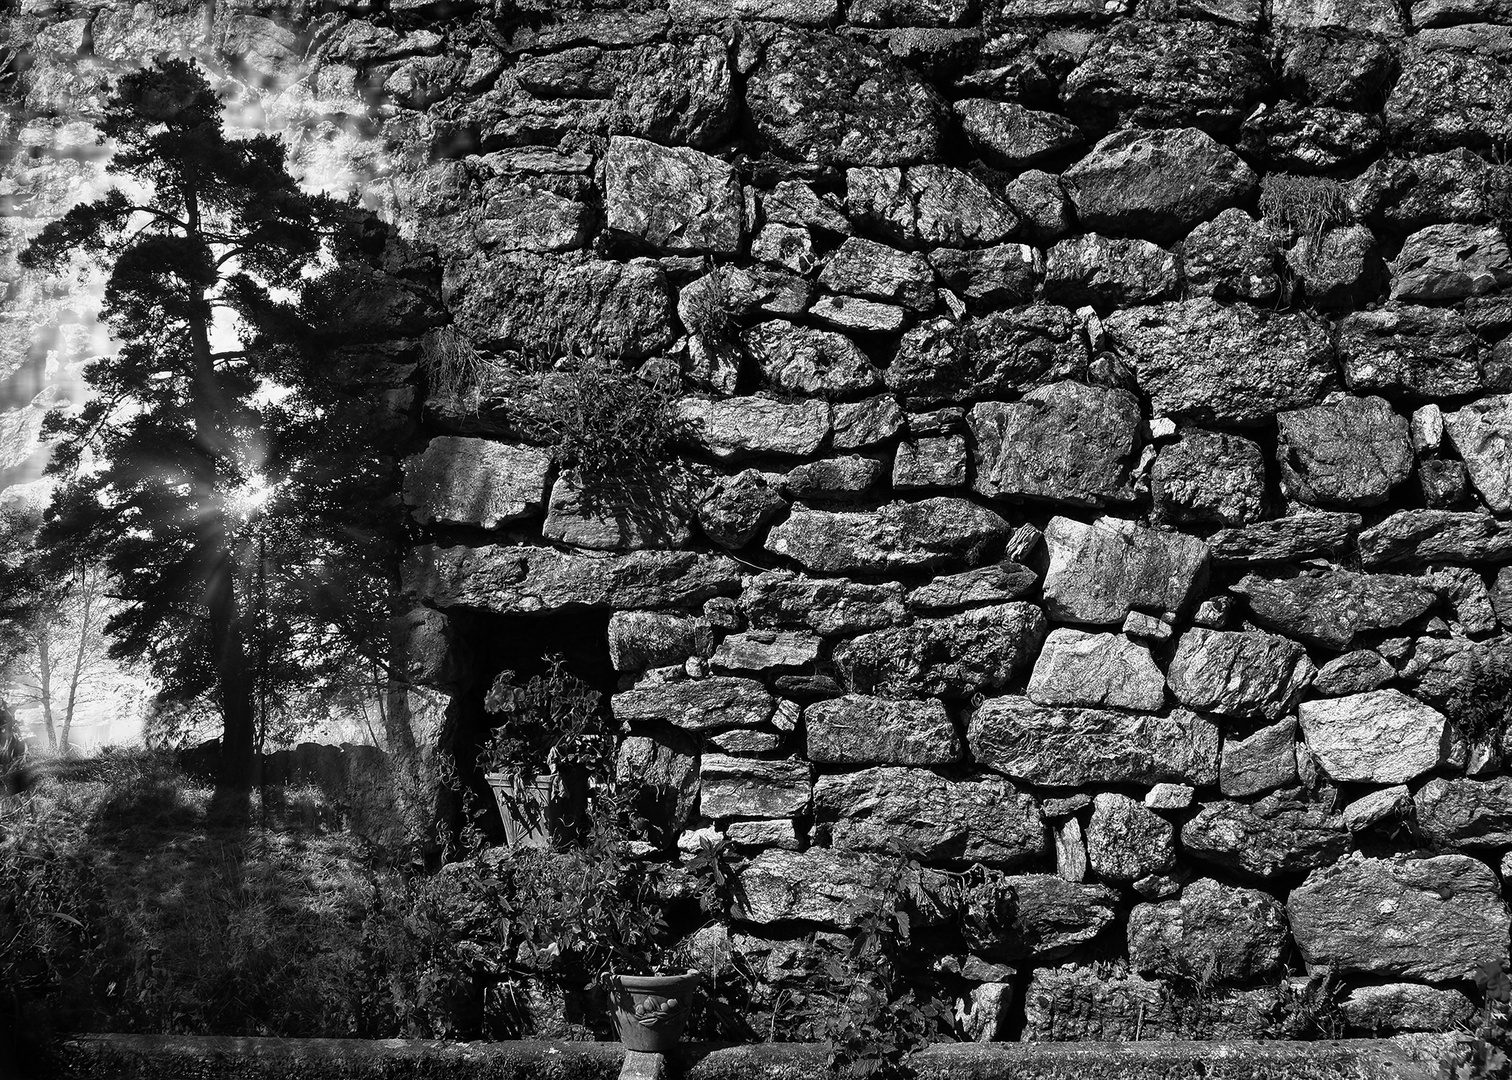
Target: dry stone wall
1103 446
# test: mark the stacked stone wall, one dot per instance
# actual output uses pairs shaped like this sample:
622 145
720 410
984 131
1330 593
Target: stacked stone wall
1101 431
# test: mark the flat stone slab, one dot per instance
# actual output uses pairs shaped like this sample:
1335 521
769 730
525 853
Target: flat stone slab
1380 737
861 730
899 536
1098 573
475 481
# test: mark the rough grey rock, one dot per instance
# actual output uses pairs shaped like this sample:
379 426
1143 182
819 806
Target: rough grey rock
1383 804
861 730
1347 71
475 482
866 423
1432 919
800 360
896 537
1478 432
1155 184
696 704
1051 918
1126 842
736 508
988 277
1088 1004
1309 138
1285 539
1450 262
1066 442
614 517
993 584
1338 268
743 787
1225 934
1245 674
673 198
863 316
993 356
674 93
530 580
1416 537
1096 670
833 888
661 776
741 428
521 215
985 820
1353 673
938 462
1332 608
928 205
866 268
1448 98
646 639
1109 273
1273 836
765 650
1212 363
1407 193
987 1014
840 478
1445 483
1394 1007
1041 199
956 656
1261 762
1166 74
743 742
1358 16
792 202
827 606
1169 796
1465 814
1465 592
821 98
1209 478
1348 453
1010 136
1427 352
784 247
1070 850
1098 573
1380 737
1231 257
1074 747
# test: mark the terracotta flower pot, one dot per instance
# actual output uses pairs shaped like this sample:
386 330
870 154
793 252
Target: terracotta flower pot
650 1011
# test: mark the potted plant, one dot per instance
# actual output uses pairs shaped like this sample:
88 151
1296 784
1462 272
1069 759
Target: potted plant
545 755
650 1011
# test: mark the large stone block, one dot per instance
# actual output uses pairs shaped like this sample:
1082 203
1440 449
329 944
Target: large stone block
1262 761
817 363
1345 454
1155 184
860 730
1479 433
1435 919
475 482
985 820
1010 136
1245 674
1096 670
832 888
824 605
1412 538
1465 814
1406 1007
1216 932
1209 478
1232 257
1090 1004
928 206
746 787
1426 352
529 580
996 355
643 639
1058 747
766 650
1450 262
956 656
1332 608
1126 841
1106 273
696 704
1447 98
1380 737
1213 363
614 516
660 776
741 428
1098 573
1285 539
993 584
898 537
1067 442
866 268
1052 918
1275 836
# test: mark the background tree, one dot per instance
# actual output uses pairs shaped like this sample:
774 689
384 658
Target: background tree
218 231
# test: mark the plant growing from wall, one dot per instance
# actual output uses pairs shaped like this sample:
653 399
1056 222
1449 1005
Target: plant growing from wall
1305 205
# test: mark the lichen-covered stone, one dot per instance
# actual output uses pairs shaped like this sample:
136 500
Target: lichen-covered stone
1284 539
843 479
1041 199
1076 1003
1432 919
1479 433
862 424
1450 98
1332 608
1209 478
955 656
675 93
825 605
1098 573
985 585
1274 836
1011 136
1227 934
673 198
1213 363
1232 257
861 730
991 356
1067 442
696 704
1075 747
1097 671
938 462
928 205
897 537
743 787
1464 814
1347 71
988 277
1260 762
1353 673
797 359
1427 352
766 650
851 313
1415 537
1348 453
1309 138
1245 674
660 776
866 268
832 888
1109 273
1126 842
985 820
734 510
1380 737
1337 268
822 98
735 429
1155 184
475 482
1449 262
530 580
614 517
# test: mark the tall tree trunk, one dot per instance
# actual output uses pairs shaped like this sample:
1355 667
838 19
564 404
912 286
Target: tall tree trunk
44 691
86 593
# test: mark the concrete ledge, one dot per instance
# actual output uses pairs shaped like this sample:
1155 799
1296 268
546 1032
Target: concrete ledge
161 1057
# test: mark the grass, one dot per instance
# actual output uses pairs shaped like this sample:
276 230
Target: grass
1306 205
